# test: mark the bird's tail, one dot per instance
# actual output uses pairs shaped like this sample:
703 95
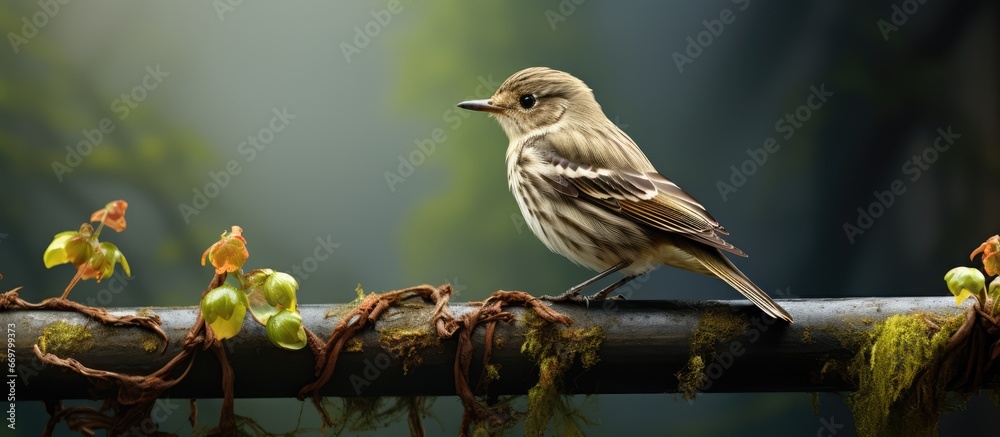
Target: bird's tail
720 266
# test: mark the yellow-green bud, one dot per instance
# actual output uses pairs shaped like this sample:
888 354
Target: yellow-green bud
964 282
285 330
224 309
279 290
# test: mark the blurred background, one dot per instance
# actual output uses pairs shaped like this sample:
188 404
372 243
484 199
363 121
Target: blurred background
331 128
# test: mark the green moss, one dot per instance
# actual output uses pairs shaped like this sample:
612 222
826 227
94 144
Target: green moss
150 343
554 349
901 378
354 345
830 367
145 312
405 332
807 336
715 326
492 372
407 343
63 339
340 311
691 377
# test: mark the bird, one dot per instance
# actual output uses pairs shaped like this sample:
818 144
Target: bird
590 194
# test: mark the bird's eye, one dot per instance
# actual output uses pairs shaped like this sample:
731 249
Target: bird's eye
527 101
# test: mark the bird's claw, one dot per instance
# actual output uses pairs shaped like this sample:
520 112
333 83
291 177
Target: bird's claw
565 297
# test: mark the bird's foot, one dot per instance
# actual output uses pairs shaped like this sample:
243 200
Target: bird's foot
569 296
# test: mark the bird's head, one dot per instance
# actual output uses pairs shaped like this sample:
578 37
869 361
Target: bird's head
537 98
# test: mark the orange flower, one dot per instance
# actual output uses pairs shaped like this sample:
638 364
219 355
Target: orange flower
991 255
113 215
229 253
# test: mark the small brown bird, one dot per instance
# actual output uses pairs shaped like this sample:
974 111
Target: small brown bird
588 192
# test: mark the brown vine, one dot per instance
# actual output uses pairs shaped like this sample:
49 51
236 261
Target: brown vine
488 313
136 394
977 344
11 300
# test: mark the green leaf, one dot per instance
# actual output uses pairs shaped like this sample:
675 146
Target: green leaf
55 254
259 308
112 256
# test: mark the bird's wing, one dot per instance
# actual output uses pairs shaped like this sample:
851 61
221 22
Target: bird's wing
648 198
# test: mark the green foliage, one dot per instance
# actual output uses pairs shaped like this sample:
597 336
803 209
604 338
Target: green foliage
49 95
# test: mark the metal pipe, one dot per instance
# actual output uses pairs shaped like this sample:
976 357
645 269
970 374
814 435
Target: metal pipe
647 343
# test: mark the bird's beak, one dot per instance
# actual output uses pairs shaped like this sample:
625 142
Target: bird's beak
480 105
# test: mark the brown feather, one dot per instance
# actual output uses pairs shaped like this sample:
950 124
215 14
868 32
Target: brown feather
651 200
720 266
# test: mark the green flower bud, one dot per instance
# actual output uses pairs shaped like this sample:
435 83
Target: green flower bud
964 282
224 309
285 330
279 290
